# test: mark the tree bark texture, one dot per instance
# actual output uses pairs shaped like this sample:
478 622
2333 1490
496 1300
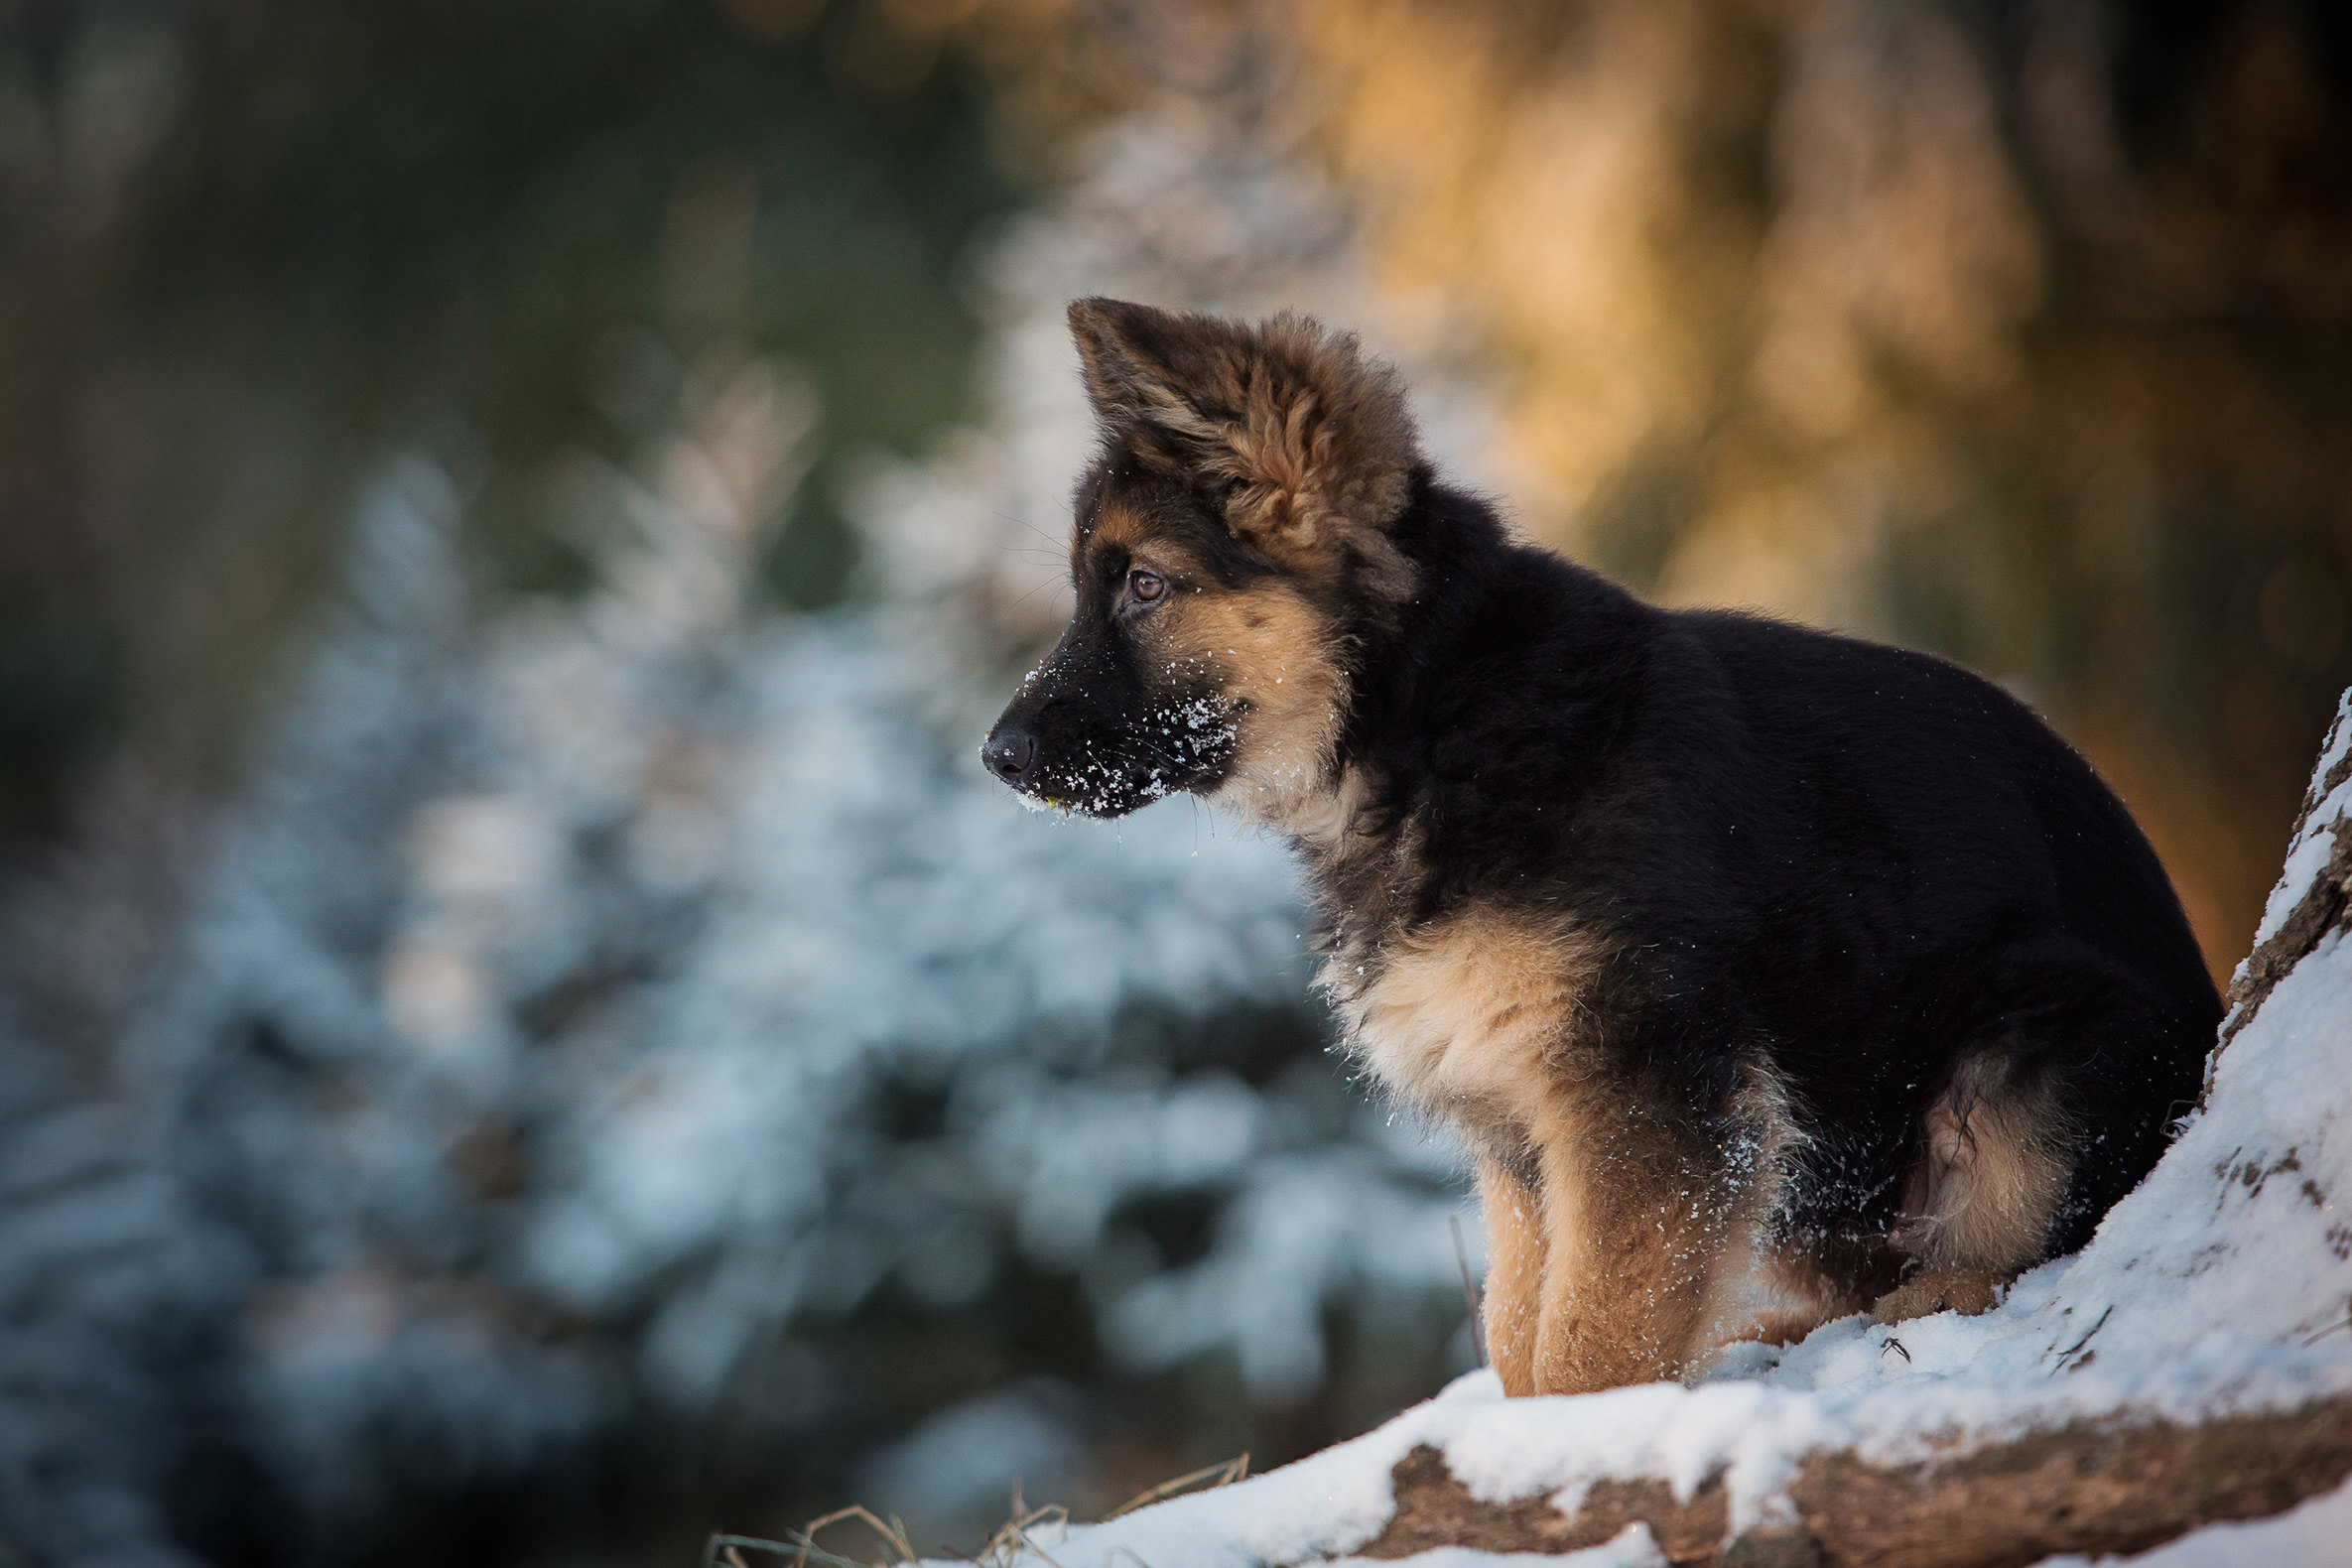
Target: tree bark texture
2114 1486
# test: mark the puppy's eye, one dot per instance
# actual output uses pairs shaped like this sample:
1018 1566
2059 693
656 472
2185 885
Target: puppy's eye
1146 585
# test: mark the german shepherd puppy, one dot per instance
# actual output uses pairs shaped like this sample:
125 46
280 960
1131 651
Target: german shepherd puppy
1771 975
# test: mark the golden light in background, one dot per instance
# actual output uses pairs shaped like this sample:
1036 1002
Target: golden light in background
1832 308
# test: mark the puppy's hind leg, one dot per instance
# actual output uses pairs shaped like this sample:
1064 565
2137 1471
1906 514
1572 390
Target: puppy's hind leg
1992 1168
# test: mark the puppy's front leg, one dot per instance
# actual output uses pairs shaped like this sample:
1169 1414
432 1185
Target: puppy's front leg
1515 1273
1637 1231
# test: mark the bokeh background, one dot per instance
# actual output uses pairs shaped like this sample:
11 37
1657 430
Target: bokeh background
525 1037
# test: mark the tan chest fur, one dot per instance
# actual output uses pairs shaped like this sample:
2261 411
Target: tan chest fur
1474 1018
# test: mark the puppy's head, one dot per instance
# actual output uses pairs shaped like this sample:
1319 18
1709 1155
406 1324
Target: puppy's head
1231 544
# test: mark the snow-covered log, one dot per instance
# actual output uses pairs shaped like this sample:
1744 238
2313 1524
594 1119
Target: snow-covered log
2092 1485
2191 1366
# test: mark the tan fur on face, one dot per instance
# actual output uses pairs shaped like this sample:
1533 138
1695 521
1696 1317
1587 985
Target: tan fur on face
1115 525
1989 1176
1309 440
1269 659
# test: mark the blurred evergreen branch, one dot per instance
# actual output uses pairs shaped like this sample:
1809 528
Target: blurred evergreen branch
245 244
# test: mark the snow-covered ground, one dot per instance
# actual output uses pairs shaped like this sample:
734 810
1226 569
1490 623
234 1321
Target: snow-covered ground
2222 1286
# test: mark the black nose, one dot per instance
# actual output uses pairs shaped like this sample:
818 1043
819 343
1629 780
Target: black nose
1010 755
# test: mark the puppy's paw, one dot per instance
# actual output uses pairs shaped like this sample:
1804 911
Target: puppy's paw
1967 1291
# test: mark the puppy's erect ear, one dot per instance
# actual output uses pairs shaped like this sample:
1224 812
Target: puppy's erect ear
1307 442
1143 365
